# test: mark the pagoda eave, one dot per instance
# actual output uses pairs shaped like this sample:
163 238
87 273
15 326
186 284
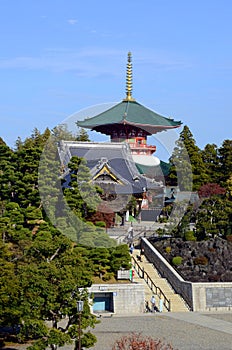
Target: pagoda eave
149 129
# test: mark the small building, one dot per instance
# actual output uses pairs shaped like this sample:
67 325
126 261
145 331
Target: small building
128 298
173 194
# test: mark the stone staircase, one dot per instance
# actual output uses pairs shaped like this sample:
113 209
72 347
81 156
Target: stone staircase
177 304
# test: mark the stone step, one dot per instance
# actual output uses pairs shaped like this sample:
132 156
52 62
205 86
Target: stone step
177 303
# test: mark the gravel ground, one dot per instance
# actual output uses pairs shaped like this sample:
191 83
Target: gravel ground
184 331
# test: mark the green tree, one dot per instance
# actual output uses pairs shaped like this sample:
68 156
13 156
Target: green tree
81 194
120 258
9 287
82 135
101 261
210 156
42 272
83 199
225 155
12 224
180 168
214 217
229 187
187 168
189 216
61 132
27 163
53 276
7 172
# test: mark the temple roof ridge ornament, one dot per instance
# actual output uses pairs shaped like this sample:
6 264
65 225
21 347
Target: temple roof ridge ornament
129 79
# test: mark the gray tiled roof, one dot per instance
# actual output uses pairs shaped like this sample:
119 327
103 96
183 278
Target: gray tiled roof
116 155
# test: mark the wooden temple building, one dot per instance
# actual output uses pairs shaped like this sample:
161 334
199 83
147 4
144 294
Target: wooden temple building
126 165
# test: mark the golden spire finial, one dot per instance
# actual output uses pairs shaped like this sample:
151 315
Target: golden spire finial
129 79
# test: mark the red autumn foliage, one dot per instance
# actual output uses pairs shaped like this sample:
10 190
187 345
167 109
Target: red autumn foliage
138 342
104 213
210 189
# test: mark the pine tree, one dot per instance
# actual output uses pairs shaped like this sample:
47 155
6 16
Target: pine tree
53 276
50 183
68 196
82 135
214 218
229 187
81 195
7 171
225 154
187 168
210 158
9 288
27 163
43 272
61 132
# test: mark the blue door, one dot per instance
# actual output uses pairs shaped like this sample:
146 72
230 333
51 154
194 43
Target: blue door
101 303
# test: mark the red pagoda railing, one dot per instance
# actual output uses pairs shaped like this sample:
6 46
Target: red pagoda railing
139 148
139 145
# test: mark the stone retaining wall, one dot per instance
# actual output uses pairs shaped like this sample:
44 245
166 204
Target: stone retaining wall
199 296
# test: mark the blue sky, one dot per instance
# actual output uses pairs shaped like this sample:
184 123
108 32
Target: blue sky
62 56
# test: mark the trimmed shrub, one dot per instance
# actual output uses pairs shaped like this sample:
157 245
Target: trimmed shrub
200 260
212 250
163 220
168 249
107 276
177 260
160 231
100 223
214 278
229 238
189 236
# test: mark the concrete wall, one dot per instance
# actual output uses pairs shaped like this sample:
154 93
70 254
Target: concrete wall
128 298
213 296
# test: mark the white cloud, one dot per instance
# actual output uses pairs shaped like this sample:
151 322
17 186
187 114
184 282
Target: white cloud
72 21
88 61
91 62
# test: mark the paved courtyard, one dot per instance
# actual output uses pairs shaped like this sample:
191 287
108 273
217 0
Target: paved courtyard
184 331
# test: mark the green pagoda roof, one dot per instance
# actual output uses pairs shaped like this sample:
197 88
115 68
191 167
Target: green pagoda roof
129 112
132 113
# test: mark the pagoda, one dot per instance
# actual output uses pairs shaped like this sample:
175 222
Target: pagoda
131 122
125 166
